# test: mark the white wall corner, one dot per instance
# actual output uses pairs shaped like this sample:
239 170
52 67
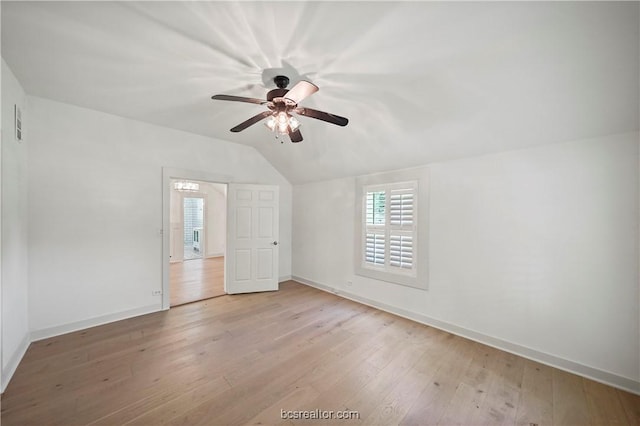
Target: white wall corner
14 361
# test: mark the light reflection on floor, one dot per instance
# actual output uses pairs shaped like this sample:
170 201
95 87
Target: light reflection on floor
191 253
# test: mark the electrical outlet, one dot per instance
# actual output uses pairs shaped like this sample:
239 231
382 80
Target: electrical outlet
156 293
349 283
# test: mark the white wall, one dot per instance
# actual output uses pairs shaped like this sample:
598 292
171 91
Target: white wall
15 325
2 65
533 250
95 216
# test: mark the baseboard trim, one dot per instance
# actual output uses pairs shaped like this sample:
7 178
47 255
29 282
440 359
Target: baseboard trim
601 376
45 333
14 361
284 278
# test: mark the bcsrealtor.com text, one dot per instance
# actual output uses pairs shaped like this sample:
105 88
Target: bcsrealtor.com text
318 414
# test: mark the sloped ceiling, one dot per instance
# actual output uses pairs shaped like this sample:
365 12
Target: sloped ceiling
420 82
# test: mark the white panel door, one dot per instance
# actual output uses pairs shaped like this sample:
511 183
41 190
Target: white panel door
252 238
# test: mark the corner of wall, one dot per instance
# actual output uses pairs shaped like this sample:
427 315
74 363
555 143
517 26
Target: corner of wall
14 315
12 364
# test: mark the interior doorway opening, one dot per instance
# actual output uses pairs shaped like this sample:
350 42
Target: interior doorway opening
197 240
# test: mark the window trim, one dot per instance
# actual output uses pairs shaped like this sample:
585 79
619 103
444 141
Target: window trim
418 277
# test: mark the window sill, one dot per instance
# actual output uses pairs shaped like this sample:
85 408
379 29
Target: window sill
407 280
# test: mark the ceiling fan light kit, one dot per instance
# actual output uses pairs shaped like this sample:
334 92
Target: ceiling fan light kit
282 123
282 104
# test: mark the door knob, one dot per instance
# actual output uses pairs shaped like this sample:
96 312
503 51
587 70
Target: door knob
275 243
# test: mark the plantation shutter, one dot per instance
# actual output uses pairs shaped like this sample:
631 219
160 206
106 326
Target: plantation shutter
375 212
389 227
401 228
375 208
401 207
401 248
375 249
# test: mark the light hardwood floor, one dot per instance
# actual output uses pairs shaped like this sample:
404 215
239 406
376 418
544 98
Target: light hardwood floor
242 359
196 279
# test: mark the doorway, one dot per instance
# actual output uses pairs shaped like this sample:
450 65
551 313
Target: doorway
197 240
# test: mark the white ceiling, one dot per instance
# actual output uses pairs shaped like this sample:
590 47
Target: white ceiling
420 82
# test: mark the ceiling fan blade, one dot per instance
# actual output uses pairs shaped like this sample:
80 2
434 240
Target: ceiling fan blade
324 116
239 99
295 136
301 90
253 120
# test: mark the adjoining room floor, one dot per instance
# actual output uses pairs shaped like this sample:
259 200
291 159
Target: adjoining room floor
243 359
196 279
191 253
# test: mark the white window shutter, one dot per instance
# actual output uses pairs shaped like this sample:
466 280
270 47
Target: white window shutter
401 251
374 251
401 207
390 228
389 216
375 208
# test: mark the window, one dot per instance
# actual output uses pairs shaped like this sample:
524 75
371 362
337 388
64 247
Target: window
389 228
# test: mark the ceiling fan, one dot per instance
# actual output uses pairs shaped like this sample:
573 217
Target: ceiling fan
282 104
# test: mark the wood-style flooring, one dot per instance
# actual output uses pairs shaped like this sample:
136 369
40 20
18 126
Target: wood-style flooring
196 279
243 359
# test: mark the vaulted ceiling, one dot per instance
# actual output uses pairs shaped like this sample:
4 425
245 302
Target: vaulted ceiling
420 82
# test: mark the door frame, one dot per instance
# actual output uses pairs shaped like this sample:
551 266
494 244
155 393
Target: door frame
169 173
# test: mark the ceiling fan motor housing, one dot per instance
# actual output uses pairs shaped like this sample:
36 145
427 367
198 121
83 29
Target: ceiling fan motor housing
281 81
